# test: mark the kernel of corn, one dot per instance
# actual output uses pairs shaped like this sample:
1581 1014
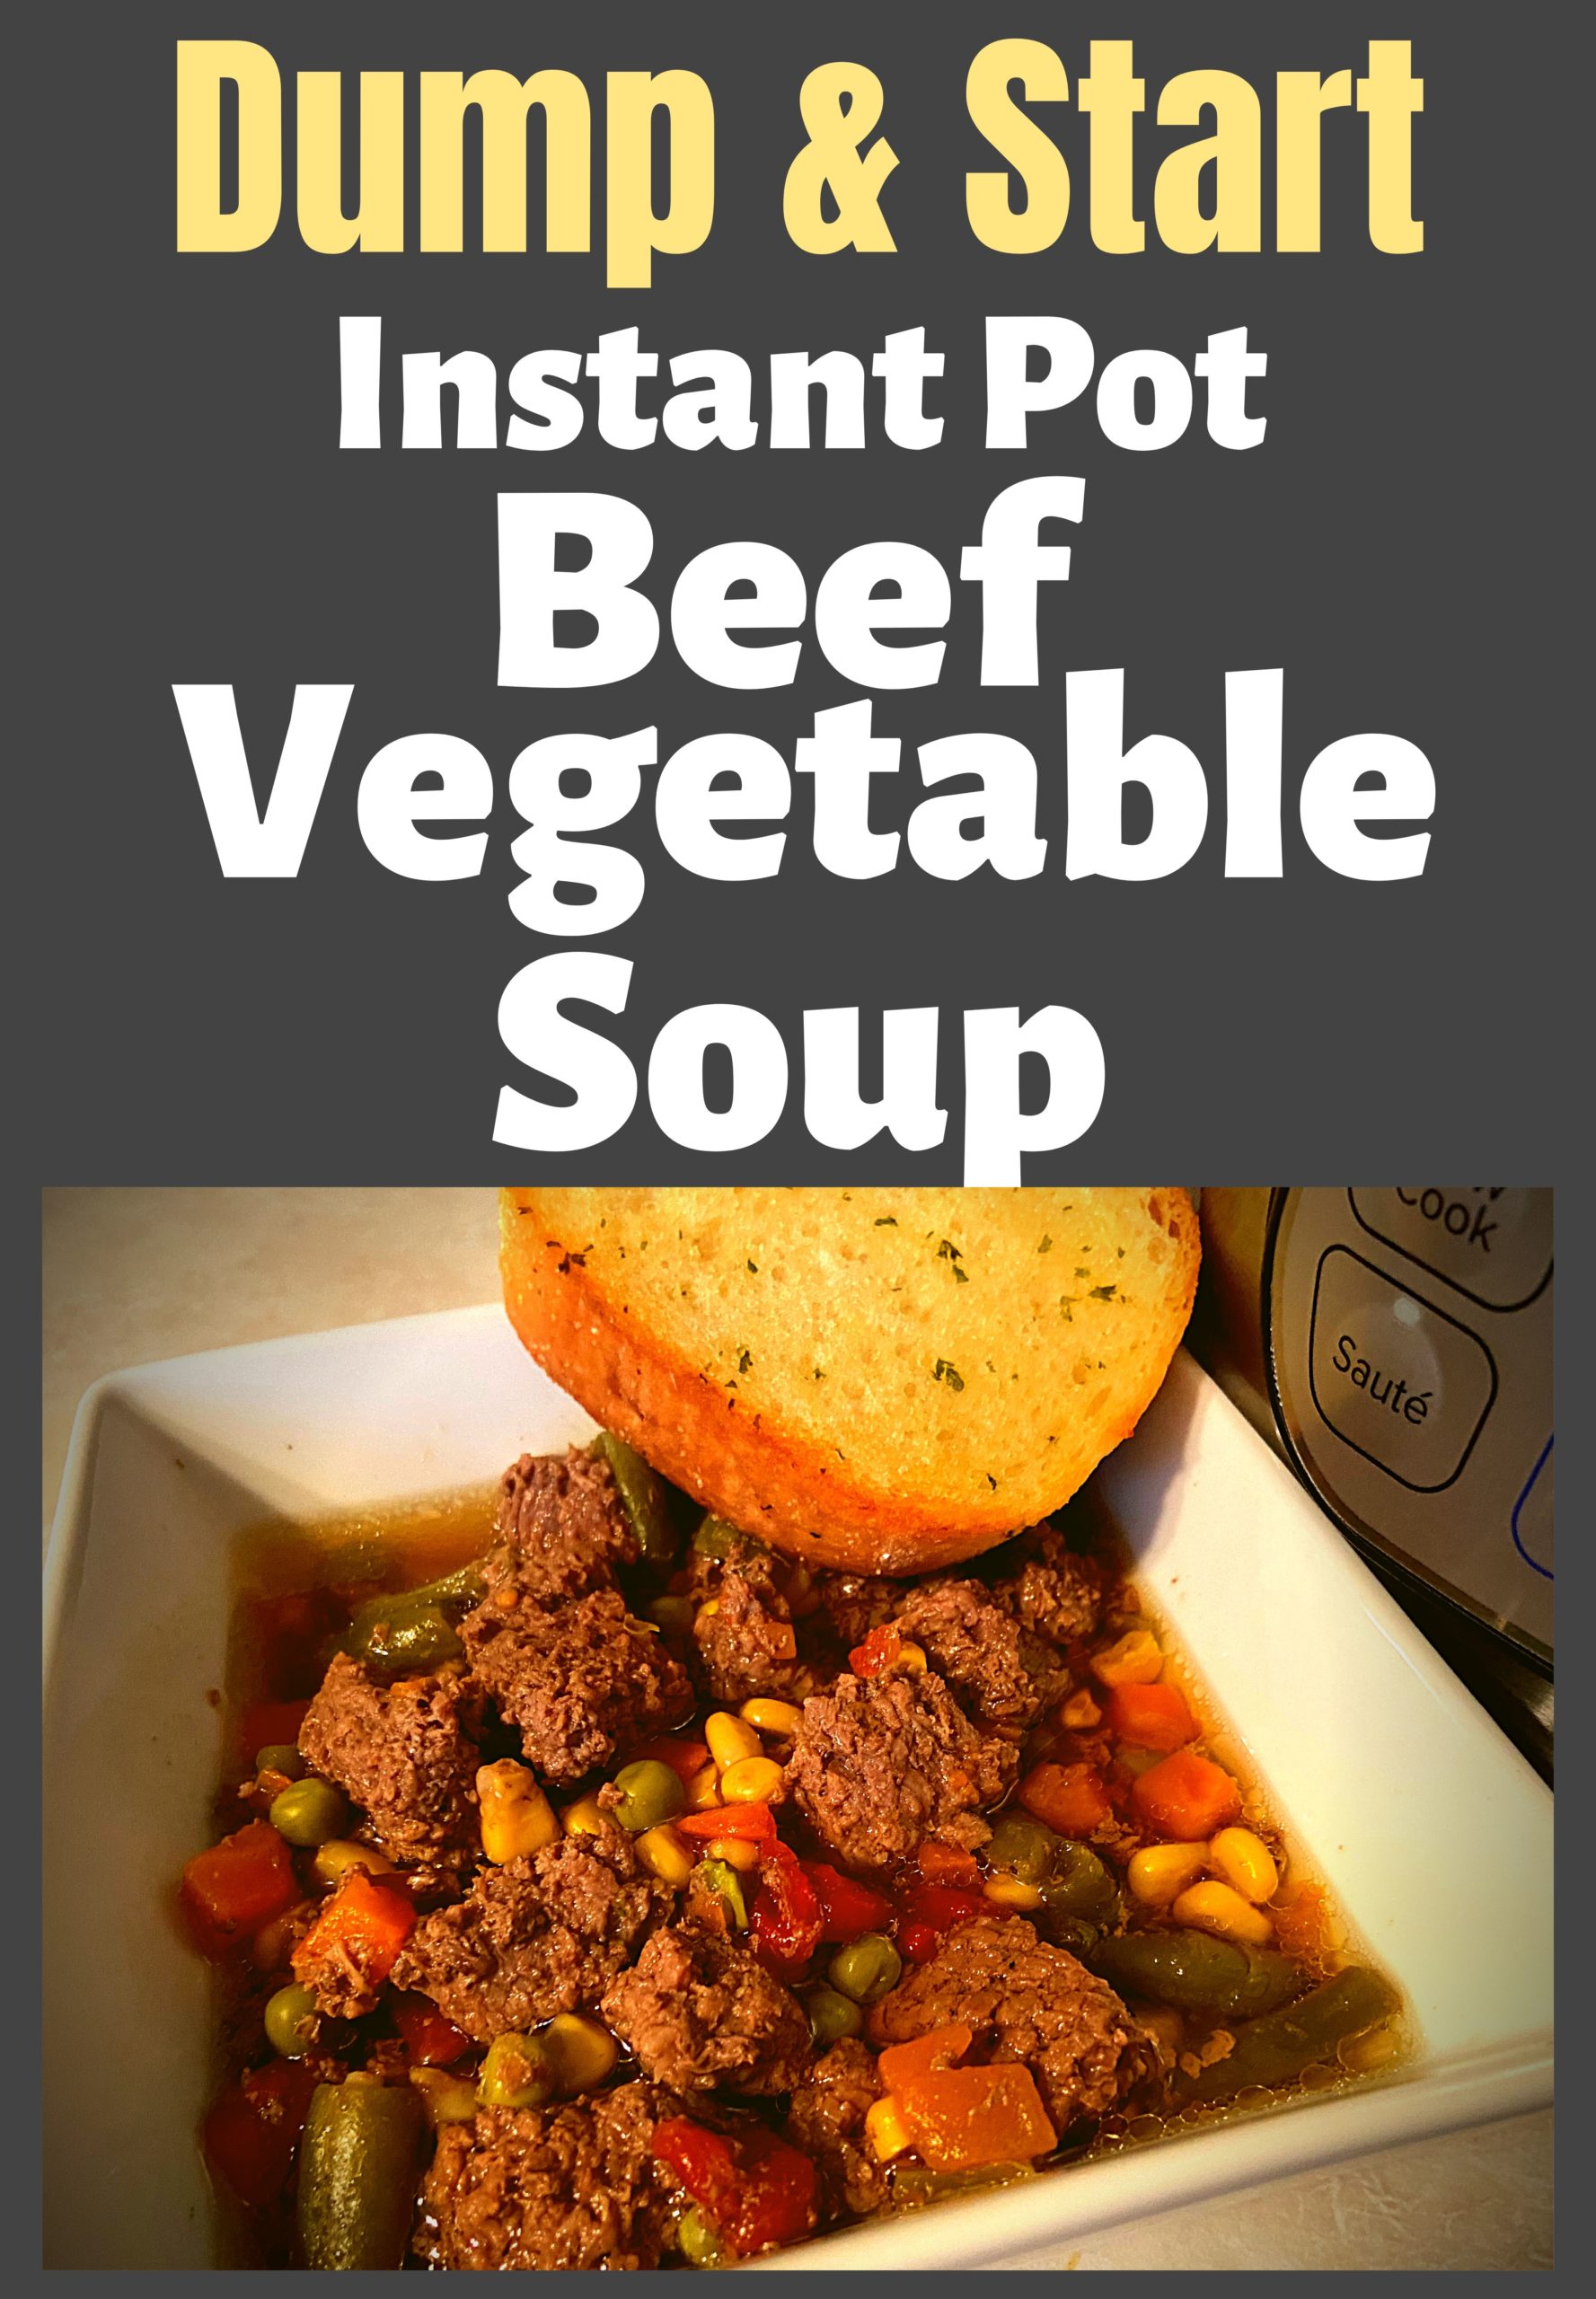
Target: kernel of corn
1079 1713
664 1854
1221 1909
885 2132
911 1658
776 1716
585 1817
1160 1872
752 1780
1010 1891
1133 1659
515 1816
738 1852
584 2053
1243 1861
729 1739
704 1789
708 1611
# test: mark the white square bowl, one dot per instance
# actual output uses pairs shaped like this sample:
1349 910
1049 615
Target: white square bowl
1382 1766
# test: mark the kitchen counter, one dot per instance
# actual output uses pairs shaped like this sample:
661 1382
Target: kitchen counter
132 1275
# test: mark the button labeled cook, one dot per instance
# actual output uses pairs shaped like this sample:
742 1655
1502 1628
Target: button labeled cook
1395 1378
1495 1244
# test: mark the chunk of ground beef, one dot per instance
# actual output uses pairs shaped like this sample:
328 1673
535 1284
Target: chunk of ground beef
569 2187
747 1646
699 2013
999 1673
580 1678
857 1602
562 1527
546 1932
1028 2000
405 1753
1056 1593
878 1766
826 2119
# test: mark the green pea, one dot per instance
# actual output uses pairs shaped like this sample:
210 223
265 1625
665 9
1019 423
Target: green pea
699 2243
643 1497
1022 1847
291 2020
280 1755
1080 1885
719 1877
831 2017
311 1812
673 1614
519 2072
867 1968
648 1793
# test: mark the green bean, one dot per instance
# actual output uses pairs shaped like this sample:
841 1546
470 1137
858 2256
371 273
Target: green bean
673 1614
411 1629
697 2240
519 2072
719 1877
280 1755
1071 1932
715 1538
1195 1972
867 1968
646 1794
358 2163
290 2021
643 1497
831 2016
1081 1885
309 1812
1277 2047
1021 1847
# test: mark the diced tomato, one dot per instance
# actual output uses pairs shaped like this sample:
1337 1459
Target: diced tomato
232 1889
252 2131
847 1906
1150 1716
755 1820
1069 1798
945 1863
430 2038
686 1758
878 1653
787 1918
927 1911
759 2192
1185 1799
269 1723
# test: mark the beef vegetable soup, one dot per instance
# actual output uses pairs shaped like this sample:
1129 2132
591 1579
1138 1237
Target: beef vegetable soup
595 1887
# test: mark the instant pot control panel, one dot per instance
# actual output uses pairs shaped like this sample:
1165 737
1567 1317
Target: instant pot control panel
1409 1346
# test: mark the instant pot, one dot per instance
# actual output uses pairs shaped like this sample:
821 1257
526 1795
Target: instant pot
1395 1346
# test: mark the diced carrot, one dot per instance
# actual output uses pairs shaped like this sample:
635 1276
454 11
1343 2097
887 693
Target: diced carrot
962 2116
232 1889
364 1924
1186 1798
269 1723
755 1820
1150 1716
1070 1798
685 1758
901 2064
945 1863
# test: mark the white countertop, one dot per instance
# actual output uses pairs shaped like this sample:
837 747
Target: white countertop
131 1275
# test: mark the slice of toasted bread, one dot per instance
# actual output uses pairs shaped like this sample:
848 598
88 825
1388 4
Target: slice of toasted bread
885 1379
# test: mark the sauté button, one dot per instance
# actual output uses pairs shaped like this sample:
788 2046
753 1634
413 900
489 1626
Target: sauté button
1398 1379
1495 1244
